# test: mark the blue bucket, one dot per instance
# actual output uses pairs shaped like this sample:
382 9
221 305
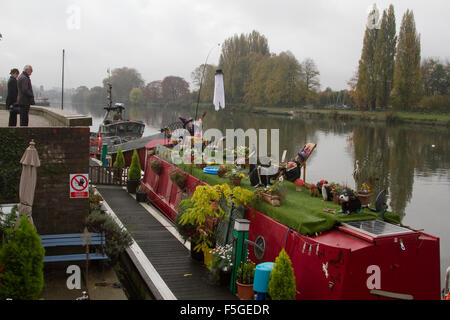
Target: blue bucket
262 274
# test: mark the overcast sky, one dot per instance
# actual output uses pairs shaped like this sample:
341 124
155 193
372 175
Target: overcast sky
161 38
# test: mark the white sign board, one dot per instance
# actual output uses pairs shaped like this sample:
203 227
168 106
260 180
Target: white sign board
79 185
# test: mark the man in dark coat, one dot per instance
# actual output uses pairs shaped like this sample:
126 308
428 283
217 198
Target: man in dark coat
11 98
25 96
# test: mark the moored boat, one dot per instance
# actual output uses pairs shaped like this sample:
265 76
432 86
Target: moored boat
352 257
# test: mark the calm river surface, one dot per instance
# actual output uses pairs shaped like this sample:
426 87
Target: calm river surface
412 162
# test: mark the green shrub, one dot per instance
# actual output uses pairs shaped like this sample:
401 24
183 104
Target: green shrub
246 273
187 230
120 159
135 167
282 279
117 238
22 256
7 224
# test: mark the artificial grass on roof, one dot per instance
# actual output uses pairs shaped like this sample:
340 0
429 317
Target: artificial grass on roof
299 210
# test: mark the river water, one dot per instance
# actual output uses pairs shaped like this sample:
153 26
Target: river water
411 162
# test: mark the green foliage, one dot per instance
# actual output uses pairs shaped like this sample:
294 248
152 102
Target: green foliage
186 230
384 58
117 238
156 166
137 96
120 159
179 178
123 80
22 256
134 173
246 273
205 213
7 224
407 76
12 147
282 280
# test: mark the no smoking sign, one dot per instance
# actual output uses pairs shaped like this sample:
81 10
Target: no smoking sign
79 185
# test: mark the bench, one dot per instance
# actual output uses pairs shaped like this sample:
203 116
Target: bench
72 239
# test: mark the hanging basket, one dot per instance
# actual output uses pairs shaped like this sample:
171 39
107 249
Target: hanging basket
156 167
179 178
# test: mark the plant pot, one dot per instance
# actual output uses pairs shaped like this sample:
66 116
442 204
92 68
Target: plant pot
132 185
235 181
336 198
364 198
141 196
274 200
245 291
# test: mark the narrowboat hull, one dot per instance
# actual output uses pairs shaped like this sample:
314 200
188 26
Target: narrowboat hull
338 264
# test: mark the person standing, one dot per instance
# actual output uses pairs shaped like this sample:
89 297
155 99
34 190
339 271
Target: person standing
25 95
11 98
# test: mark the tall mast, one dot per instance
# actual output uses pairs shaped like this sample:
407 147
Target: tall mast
62 92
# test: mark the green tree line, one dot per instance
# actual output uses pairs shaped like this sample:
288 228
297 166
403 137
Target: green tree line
391 72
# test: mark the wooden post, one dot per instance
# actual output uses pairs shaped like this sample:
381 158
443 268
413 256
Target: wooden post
304 173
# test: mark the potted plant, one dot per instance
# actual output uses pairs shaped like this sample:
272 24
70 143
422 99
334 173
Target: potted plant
141 193
236 177
156 167
335 191
364 194
244 280
282 279
313 191
223 170
221 264
118 164
134 173
179 178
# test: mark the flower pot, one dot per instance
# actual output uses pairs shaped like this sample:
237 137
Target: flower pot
274 200
141 196
235 181
336 198
245 291
132 185
364 198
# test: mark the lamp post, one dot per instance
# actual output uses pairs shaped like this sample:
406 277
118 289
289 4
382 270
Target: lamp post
201 79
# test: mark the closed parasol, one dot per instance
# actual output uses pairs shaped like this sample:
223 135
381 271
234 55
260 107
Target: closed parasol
30 161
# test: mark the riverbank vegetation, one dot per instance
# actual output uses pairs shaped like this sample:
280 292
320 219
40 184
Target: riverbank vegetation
391 76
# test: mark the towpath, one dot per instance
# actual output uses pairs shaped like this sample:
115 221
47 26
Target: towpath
161 258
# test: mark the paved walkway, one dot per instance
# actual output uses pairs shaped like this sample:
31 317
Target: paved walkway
34 121
186 278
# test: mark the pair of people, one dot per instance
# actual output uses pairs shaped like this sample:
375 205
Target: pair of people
20 96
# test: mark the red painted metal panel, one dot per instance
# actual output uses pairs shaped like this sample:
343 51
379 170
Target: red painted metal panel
337 264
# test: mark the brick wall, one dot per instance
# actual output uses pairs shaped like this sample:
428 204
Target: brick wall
62 151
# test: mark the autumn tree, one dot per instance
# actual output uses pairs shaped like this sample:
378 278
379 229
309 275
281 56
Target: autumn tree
407 78
366 85
123 80
136 96
384 59
174 88
235 62
153 91
207 72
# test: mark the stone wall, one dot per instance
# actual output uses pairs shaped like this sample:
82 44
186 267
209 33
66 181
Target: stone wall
62 151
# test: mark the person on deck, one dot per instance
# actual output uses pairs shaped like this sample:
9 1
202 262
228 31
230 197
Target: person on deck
11 98
25 95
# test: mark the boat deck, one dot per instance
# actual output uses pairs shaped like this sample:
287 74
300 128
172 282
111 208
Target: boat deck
186 278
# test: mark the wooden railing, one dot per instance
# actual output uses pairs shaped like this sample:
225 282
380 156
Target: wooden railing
108 176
